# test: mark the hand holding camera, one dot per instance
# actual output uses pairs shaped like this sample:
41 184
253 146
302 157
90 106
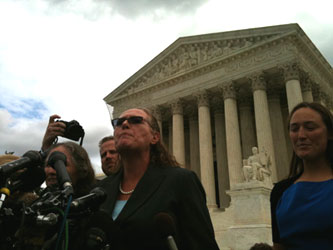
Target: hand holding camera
71 130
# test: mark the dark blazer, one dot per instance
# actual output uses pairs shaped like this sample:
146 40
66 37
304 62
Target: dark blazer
176 191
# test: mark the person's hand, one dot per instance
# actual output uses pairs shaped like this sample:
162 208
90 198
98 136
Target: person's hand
53 130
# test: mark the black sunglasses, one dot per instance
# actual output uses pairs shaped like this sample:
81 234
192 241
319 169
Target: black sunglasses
131 120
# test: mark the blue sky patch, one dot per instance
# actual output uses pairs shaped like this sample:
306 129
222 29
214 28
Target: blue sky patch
24 108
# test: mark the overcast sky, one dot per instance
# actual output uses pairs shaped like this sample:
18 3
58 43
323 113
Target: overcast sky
64 56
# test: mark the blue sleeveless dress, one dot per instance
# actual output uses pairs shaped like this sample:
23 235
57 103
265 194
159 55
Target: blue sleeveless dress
305 216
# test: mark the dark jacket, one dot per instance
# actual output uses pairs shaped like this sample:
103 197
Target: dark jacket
175 191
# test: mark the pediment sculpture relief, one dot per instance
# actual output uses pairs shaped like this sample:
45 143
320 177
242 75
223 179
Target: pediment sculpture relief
257 167
188 56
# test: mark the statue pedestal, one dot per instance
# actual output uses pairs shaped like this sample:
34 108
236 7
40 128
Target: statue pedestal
250 207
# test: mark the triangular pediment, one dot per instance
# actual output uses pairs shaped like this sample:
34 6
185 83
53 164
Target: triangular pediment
194 52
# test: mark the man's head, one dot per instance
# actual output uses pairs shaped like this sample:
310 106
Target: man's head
109 155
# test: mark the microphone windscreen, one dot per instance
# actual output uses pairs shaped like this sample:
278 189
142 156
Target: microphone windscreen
34 156
27 180
56 156
165 224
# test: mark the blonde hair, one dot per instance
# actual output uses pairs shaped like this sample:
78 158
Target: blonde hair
8 158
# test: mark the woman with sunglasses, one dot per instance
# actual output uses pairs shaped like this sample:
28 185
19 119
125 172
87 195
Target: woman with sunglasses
302 204
151 197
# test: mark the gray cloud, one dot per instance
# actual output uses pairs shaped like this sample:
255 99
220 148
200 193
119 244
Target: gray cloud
128 8
131 9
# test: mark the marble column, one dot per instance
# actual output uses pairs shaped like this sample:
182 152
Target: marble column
262 120
247 126
206 149
221 157
178 138
306 89
233 140
194 144
293 86
278 132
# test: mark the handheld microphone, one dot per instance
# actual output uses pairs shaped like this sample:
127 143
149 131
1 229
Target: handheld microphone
166 227
29 159
57 160
93 199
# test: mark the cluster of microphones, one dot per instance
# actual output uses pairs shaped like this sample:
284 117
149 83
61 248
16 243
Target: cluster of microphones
53 210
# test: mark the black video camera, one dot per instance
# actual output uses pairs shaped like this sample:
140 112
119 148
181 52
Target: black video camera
73 130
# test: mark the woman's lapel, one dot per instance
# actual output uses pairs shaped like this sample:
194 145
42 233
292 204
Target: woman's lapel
146 187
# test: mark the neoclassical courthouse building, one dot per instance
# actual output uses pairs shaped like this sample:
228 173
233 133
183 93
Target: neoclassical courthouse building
218 95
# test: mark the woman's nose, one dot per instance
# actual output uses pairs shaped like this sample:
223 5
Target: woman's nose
301 132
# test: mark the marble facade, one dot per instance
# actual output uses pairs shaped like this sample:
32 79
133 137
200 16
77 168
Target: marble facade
218 95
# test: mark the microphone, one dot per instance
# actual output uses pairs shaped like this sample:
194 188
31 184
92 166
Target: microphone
93 199
101 232
27 180
166 227
57 160
30 158
31 178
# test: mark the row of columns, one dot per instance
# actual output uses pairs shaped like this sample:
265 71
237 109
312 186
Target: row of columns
229 134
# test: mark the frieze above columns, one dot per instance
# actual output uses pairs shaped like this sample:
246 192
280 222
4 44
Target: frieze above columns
188 56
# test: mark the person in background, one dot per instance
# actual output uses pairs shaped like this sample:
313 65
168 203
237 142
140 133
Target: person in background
78 166
302 204
109 155
151 197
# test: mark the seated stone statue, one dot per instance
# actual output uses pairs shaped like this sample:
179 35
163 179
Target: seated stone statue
256 167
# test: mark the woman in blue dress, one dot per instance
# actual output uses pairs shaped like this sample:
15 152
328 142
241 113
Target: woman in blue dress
302 204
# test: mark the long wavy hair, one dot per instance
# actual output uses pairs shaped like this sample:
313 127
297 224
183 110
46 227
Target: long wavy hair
296 164
84 170
159 155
